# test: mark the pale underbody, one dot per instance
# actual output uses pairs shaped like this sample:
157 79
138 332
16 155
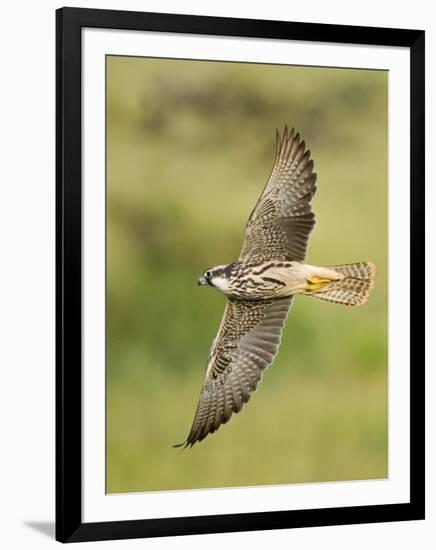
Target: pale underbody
275 280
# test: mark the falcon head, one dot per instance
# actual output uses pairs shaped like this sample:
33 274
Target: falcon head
219 276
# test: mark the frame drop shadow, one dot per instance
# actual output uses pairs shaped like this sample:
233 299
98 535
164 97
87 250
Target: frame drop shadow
47 528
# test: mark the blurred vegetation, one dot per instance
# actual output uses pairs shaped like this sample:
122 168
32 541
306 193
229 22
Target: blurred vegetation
189 147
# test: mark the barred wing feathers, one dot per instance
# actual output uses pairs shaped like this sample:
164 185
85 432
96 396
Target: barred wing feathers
247 343
280 224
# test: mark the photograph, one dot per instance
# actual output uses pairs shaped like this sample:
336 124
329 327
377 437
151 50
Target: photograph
215 303
246 274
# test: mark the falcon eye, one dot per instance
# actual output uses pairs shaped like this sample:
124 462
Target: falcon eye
208 274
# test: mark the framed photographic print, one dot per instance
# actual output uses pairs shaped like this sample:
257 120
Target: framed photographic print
237 201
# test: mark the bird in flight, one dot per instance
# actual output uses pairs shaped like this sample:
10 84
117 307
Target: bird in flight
261 284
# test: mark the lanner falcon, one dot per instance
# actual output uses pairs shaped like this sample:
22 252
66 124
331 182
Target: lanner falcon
261 285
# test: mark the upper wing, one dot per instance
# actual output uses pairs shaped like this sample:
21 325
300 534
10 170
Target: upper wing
247 342
280 224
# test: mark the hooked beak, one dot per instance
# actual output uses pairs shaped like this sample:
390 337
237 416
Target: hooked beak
202 281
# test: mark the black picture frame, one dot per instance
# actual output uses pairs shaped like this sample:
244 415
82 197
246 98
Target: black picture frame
69 525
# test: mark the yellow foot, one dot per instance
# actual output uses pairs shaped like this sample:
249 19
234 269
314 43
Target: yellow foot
315 283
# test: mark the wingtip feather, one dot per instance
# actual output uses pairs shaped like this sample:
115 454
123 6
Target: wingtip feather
278 144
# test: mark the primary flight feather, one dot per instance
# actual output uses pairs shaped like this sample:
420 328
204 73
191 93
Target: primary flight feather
261 284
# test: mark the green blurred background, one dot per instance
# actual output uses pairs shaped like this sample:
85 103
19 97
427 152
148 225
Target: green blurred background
189 147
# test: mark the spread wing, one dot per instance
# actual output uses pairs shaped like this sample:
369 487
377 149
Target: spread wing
247 342
280 224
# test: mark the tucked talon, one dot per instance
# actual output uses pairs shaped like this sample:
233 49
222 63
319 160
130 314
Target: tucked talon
315 283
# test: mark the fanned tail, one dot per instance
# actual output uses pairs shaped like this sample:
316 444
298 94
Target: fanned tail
353 289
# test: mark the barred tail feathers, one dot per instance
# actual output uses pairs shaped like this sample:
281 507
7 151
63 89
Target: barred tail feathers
353 289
